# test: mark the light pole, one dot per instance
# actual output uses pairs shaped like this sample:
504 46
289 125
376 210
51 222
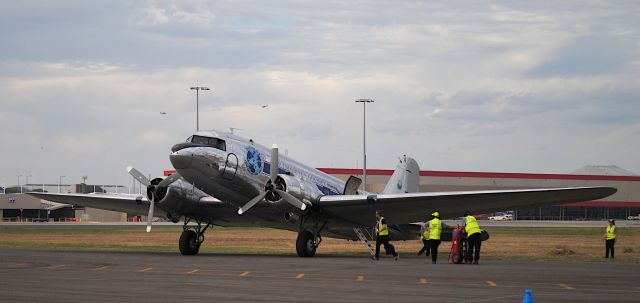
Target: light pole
20 184
364 139
198 89
60 183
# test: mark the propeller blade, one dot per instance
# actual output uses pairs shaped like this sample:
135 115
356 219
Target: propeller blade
251 203
168 180
291 199
273 174
138 175
150 216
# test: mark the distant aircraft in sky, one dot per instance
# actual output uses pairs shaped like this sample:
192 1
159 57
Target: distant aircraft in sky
265 106
227 180
163 113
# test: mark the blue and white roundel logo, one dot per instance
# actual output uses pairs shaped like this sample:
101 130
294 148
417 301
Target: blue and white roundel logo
400 184
253 161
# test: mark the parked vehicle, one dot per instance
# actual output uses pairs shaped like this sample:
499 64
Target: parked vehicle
501 217
634 217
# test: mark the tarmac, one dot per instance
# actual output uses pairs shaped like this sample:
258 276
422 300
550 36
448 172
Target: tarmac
43 275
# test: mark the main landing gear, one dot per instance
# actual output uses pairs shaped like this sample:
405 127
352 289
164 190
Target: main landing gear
191 237
306 244
308 241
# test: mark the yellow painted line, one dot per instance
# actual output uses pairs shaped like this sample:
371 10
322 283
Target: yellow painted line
56 266
565 286
244 274
491 283
423 280
300 276
100 268
360 278
146 269
193 272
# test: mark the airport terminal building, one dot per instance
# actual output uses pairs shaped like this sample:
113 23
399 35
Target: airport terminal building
625 203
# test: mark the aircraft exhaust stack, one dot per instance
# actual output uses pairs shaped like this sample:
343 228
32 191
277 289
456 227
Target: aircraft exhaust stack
291 217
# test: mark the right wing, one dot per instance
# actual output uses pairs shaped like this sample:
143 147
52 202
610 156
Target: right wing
415 207
131 204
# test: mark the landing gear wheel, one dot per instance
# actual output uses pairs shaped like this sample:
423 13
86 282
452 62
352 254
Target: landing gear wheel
188 243
306 244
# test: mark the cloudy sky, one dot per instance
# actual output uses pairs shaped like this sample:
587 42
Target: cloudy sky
507 86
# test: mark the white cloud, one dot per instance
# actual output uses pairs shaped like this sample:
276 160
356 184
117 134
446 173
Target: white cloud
459 87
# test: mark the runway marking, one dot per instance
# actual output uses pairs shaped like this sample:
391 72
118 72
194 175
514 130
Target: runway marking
244 274
56 266
146 269
300 276
100 268
360 278
193 272
423 280
491 283
565 286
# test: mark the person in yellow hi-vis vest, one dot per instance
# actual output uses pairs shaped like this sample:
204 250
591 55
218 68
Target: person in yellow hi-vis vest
424 237
474 240
435 230
382 233
610 238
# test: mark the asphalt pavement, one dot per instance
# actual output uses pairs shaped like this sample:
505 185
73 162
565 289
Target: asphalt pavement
36 275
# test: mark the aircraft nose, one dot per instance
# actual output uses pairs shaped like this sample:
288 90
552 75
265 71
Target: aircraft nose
181 159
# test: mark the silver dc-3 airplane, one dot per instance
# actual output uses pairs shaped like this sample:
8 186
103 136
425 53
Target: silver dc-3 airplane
222 179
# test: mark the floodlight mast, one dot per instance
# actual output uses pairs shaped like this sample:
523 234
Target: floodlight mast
198 89
364 140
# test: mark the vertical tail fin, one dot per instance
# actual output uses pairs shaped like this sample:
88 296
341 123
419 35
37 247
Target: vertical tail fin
405 178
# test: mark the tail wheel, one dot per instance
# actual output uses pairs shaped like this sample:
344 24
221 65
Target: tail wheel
306 244
189 244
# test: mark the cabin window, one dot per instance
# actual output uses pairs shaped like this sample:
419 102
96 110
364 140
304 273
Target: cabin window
213 142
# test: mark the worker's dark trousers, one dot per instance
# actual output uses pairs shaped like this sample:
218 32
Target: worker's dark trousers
425 247
434 250
610 247
473 243
388 248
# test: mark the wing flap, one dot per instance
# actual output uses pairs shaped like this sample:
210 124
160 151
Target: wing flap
414 207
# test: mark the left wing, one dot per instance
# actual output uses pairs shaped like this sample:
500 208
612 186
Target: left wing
131 204
414 207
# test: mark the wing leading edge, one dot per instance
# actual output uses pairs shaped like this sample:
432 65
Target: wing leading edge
414 207
131 204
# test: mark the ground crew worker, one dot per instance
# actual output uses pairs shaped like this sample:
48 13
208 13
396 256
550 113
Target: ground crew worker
382 231
610 238
424 236
474 241
435 229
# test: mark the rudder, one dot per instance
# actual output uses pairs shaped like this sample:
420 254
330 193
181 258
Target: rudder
405 178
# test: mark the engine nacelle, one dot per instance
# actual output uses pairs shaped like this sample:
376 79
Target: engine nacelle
160 192
294 186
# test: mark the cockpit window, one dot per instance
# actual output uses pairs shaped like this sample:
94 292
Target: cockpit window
213 142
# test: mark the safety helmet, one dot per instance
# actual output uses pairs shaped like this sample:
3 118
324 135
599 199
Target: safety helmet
435 214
